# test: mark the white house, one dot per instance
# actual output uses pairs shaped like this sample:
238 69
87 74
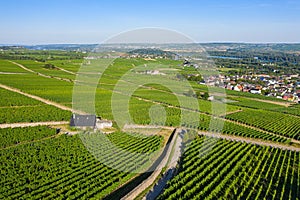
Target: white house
253 91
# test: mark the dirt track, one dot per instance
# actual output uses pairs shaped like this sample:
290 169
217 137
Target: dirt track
286 104
31 124
232 137
40 74
280 103
249 140
46 101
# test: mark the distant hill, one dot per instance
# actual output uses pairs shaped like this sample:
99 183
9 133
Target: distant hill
66 47
152 49
152 52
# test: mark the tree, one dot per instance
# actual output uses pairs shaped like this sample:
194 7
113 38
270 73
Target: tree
49 66
205 95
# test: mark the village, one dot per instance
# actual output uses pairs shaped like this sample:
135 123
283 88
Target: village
286 87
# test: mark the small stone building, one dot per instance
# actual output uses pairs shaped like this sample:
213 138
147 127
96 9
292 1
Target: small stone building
83 121
89 121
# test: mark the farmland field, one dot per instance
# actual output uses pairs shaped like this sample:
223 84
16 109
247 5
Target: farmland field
235 170
11 136
39 67
259 159
7 66
148 100
277 123
18 108
62 166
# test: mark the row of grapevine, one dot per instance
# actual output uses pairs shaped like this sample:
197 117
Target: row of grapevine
7 66
9 98
251 103
221 169
11 136
293 110
275 122
63 167
48 88
138 108
33 114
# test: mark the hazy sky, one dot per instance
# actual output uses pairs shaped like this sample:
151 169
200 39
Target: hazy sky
92 21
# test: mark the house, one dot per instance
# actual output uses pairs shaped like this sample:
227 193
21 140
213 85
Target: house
89 121
255 91
238 88
83 121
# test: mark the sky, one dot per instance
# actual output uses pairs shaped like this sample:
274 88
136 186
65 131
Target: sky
93 21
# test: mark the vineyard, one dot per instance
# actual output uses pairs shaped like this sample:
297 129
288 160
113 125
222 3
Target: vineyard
12 136
10 99
249 103
234 129
48 88
38 163
33 114
250 95
7 66
15 108
62 166
244 102
293 110
38 67
70 65
274 122
138 109
235 170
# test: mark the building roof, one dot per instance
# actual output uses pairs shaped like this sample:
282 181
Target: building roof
83 120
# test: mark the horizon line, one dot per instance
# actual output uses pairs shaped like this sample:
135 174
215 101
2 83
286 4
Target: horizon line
209 42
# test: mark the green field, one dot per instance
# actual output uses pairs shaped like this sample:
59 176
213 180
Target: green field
235 170
60 167
38 163
12 136
278 123
15 107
